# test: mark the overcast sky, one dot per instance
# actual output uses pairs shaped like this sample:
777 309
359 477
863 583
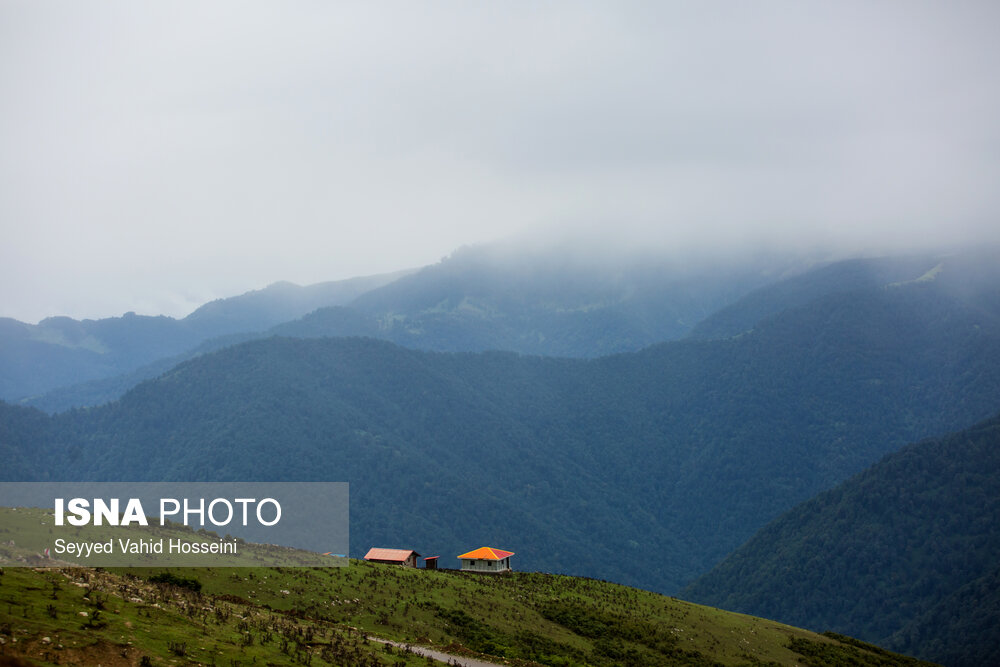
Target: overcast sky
157 155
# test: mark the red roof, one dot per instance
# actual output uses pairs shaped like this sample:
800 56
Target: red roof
487 553
395 555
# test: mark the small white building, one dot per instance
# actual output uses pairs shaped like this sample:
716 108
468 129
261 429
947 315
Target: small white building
486 559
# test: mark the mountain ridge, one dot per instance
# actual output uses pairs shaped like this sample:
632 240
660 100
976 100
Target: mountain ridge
63 352
548 302
903 554
730 433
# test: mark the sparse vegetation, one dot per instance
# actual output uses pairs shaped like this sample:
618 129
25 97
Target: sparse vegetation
244 615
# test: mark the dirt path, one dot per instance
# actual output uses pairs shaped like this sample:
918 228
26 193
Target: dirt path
446 658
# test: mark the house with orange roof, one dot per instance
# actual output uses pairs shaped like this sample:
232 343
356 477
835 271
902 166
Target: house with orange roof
404 557
486 559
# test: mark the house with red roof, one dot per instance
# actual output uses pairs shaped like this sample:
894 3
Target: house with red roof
486 559
404 557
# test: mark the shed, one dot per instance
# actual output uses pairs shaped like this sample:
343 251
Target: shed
404 557
431 562
486 559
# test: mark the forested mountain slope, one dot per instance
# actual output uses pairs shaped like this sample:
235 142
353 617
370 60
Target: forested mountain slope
25 440
844 276
903 554
971 275
682 450
107 389
544 301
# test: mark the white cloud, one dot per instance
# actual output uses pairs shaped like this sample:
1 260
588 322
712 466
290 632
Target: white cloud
158 154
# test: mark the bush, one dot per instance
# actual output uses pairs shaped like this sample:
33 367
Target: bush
173 580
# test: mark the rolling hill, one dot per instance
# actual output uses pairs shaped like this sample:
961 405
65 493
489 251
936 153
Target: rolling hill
344 616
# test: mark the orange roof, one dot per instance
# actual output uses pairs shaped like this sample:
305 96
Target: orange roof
399 555
487 553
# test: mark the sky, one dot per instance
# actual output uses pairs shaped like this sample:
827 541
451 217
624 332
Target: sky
157 155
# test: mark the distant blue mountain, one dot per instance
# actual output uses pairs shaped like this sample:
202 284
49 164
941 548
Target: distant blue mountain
644 467
551 301
60 351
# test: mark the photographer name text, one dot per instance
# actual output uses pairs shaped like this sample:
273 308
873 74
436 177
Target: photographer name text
136 547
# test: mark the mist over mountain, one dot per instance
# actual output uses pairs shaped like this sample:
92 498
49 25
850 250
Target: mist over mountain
969 275
555 298
683 449
903 555
564 300
569 302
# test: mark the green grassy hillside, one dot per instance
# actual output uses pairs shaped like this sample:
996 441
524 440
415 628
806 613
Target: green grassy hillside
284 616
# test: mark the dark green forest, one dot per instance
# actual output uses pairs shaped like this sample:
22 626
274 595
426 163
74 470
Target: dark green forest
645 467
903 555
683 449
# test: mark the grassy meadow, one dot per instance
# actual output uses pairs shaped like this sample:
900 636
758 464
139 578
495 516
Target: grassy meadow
324 616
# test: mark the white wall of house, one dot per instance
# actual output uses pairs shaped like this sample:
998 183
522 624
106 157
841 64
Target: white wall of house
486 565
